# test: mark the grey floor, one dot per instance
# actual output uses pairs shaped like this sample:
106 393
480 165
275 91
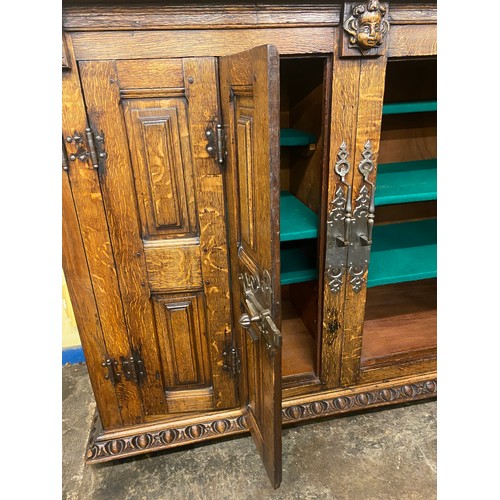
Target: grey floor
385 454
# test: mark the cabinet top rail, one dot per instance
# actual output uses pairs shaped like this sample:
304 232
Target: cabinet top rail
189 14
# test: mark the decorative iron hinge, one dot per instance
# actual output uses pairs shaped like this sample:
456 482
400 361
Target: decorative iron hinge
112 374
339 224
133 368
349 232
216 142
232 361
92 148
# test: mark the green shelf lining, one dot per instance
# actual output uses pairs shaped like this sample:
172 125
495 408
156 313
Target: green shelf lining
294 137
403 252
298 264
406 182
297 220
397 108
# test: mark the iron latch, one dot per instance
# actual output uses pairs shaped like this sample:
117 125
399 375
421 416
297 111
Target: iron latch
88 146
216 142
257 299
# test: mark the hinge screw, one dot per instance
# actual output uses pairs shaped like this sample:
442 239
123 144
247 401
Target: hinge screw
69 139
72 157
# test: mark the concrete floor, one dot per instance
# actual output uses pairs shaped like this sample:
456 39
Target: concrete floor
385 454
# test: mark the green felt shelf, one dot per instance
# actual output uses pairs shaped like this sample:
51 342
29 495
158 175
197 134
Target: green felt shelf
297 221
298 264
406 182
293 137
403 252
399 108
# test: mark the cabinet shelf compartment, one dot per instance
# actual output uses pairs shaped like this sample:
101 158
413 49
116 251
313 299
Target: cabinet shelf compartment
399 108
402 252
298 263
406 182
298 344
294 137
400 323
297 220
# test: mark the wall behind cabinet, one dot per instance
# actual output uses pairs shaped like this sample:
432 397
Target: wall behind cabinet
70 336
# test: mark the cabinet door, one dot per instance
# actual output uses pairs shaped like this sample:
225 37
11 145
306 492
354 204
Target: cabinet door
249 84
164 205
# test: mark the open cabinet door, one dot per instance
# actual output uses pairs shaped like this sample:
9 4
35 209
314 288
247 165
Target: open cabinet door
250 105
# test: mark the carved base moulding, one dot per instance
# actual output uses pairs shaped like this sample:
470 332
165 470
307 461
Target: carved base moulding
111 445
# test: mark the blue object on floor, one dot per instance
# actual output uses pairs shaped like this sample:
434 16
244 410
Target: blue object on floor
72 355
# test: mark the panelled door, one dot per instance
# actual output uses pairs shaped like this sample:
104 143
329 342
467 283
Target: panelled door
164 203
249 86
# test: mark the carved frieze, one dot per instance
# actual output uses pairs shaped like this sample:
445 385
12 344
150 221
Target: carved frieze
101 449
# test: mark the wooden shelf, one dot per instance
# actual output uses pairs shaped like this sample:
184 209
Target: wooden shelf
399 108
298 264
406 182
400 321
402 252
297 220
294 137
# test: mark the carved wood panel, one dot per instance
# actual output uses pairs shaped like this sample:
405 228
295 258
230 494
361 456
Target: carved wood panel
182 335
246 177
163 168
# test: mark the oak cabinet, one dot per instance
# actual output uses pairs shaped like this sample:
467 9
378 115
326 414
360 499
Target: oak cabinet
249 220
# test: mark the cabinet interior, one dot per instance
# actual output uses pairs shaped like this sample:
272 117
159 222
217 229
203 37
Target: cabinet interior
400 315
302 103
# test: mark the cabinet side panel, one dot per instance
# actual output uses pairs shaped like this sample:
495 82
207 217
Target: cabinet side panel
85 309
90 212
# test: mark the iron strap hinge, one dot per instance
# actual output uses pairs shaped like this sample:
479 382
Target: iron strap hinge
216 142
88 146
350 224
232 361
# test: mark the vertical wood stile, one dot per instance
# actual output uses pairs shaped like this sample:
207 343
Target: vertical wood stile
201 89
344 115
369 121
